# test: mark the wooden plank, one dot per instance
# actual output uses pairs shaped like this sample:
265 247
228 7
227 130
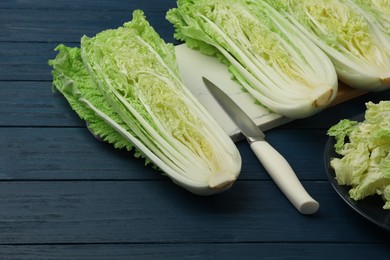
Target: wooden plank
97 5
21 61
113 212
34 104
39 25
65 153
205 251
72 153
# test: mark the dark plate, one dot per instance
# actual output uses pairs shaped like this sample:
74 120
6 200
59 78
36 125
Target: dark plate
370 207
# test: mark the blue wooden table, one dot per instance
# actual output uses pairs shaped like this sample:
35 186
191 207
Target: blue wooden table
64 195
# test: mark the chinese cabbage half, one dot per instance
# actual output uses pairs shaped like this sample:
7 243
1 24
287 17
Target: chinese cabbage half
359 49
274 62
126 84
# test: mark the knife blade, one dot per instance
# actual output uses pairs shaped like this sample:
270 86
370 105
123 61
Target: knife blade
274 163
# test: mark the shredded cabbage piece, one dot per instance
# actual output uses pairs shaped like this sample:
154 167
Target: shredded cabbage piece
365 153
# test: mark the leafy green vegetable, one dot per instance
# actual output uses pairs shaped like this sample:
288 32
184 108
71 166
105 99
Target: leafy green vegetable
126 84
365 150
73 80
273 61
359 49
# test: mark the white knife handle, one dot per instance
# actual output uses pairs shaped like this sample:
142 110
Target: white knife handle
284 177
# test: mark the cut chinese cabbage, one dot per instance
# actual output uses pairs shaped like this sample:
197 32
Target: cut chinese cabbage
274 62
126 84
359 49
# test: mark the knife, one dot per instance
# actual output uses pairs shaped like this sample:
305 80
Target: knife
275 164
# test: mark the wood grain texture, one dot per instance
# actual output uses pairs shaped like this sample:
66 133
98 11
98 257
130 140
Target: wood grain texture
30 103
35 153
159 211
21 61
205 251
64 25
96 5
